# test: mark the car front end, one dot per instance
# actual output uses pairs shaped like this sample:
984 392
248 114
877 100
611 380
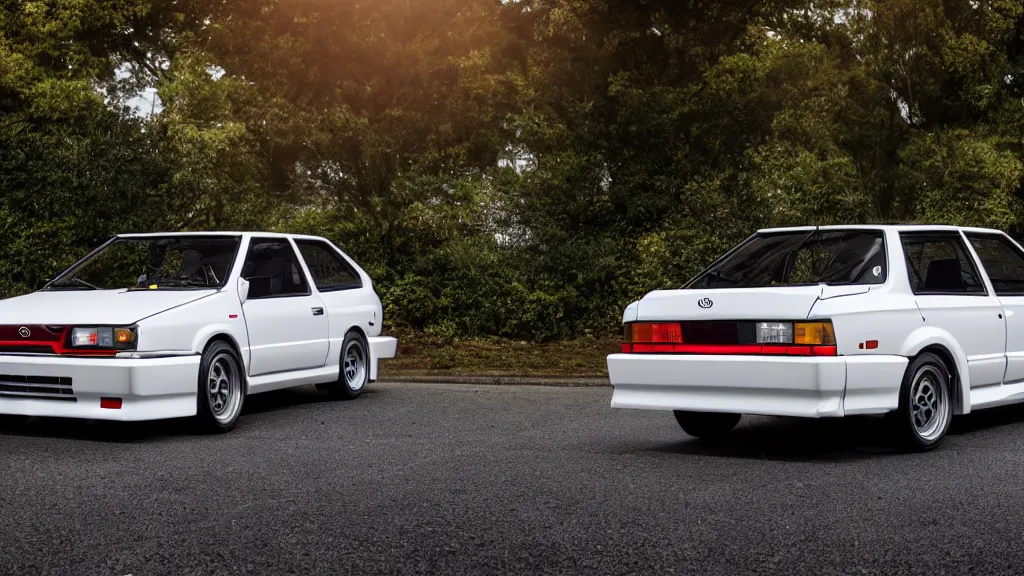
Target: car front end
115 336
92 372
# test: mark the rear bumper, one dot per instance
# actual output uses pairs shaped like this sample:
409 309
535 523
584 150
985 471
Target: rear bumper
808 387
149 389
381 347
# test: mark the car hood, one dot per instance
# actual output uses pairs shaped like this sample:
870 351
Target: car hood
78 307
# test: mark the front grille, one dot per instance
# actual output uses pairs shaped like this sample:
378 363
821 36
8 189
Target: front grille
36 387
31 339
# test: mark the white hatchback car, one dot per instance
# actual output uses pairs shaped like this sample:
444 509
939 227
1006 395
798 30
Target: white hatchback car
918 322
152 326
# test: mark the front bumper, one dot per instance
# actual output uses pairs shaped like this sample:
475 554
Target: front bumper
773 386
149 388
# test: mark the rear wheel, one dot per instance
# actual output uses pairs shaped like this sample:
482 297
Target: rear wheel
708 425
926 404
354 373
221 393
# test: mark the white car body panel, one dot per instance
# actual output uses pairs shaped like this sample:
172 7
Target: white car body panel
285 336
732 304
1013 310
983 336
94 307
280 341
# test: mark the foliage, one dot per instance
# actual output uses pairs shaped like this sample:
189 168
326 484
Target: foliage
519 168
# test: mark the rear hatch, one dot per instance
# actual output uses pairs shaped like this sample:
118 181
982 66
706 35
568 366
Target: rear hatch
761 294
776 303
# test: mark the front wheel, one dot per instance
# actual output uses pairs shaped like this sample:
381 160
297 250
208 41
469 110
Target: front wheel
354 373
926 407
221 393
708 425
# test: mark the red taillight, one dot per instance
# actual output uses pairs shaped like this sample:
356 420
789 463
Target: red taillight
667 338
729 349
110 403
657 333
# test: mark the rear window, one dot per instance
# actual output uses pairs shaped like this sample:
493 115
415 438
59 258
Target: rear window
834 257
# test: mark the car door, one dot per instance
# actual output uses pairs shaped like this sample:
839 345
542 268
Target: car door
287 324
952 296
339 286
1003 262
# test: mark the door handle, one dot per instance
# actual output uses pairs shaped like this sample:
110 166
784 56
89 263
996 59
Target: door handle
318 311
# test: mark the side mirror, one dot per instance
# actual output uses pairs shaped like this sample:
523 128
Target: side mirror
243 290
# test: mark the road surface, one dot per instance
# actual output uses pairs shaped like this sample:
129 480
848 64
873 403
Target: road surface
456 479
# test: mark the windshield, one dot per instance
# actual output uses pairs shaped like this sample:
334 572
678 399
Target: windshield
835 257
154 263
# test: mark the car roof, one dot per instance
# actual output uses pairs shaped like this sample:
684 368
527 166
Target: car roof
894 227
224 233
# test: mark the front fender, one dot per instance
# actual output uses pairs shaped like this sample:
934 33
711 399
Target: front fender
208 332
927 336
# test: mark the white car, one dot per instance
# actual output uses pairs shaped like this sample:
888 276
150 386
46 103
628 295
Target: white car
917 322
153 326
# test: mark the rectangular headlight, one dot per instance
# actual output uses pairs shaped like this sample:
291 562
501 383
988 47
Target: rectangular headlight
103 337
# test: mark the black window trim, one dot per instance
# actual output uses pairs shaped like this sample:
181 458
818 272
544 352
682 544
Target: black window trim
999 236
943 235
330 247
298 259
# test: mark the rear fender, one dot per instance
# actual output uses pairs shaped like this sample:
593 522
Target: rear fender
927 336
630 315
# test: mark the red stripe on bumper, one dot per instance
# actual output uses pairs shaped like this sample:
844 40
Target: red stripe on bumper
729 349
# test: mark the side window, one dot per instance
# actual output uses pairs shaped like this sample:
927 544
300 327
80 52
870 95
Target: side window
272 269
329 270
938 263
1003 262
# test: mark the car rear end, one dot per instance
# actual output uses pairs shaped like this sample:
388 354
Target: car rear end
744 337
781 368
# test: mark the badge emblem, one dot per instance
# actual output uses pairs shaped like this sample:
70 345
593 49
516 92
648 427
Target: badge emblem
705 303
24 332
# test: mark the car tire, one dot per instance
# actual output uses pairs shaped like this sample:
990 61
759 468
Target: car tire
926 404
706 425
221 392
353 370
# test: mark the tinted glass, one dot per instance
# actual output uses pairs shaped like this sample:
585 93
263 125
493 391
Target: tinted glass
939 264
272 269
163 262
329 270
835 257
1003 262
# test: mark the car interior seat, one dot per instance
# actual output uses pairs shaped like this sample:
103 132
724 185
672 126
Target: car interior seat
943 275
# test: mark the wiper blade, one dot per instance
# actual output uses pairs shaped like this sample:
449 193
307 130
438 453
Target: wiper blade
79 285
170 283
804 240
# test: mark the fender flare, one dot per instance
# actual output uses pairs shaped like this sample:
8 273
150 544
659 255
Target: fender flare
210 331
927 336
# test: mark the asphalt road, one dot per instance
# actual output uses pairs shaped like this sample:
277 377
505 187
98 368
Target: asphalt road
434 479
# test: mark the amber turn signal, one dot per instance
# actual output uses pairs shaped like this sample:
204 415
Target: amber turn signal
814 333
